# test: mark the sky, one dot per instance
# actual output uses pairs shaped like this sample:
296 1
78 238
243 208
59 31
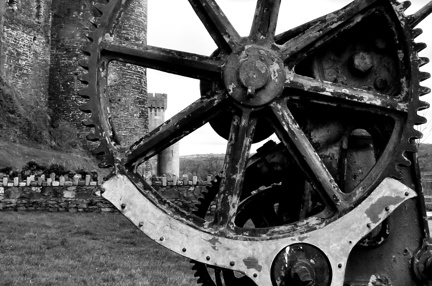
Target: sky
173 24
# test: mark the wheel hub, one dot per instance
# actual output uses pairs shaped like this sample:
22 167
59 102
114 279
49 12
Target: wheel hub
301 265
254 76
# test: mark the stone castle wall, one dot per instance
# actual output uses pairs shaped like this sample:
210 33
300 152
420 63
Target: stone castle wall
25 49
40 48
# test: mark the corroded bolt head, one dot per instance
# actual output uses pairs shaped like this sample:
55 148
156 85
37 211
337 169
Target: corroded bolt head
361 62
253 75
302 275
380 83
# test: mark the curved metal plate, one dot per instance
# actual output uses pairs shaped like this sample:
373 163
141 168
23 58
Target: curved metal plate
255 258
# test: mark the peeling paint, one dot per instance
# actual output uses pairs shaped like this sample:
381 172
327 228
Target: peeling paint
252 263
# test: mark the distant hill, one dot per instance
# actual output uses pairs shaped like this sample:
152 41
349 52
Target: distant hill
203 164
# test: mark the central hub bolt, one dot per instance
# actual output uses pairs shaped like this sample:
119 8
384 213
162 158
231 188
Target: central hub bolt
361 63
253 75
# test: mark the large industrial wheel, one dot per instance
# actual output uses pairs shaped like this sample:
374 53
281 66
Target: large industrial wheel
340 92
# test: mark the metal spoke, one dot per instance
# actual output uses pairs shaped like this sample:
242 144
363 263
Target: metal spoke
176 62
217 24
265 20
183 123
239 143
292 136
343 94
324 30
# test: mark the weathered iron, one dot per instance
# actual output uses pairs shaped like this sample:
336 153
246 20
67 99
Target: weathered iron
338 201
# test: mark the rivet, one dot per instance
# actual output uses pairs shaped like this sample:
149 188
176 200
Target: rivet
340 265
141 224
255 275
208 257
123 206
184 249
381 84
162 238
232 263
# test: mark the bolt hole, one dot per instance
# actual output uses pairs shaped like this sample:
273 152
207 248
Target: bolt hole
162 238
123 206
369 225
208 258
350 242
232 263
387 208
340 265
255 275
184 249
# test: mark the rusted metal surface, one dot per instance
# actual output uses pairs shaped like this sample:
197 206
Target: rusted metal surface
341 93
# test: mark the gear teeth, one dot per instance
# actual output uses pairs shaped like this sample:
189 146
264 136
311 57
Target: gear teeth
410 148
84 64
86 107
423 61
94 23
84 92
88 123
84 78
99 7
89 36
100 150
416 32
416 134
424 76
423 105
404 5
404 161
419 47
423 90
92 137
86 49
420 120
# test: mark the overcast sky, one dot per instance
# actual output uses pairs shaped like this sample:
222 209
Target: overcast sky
173 24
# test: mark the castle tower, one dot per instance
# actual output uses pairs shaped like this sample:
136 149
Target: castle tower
25 50
127 84
168 161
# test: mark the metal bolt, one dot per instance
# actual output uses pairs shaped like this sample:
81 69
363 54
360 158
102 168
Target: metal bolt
380 83
380 44
361 63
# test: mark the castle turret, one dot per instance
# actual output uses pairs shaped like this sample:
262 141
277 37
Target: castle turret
168 161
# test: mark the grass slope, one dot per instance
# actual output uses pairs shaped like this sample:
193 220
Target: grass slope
83 249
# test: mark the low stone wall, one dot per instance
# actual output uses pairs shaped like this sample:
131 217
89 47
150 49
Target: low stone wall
83 198
54 199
